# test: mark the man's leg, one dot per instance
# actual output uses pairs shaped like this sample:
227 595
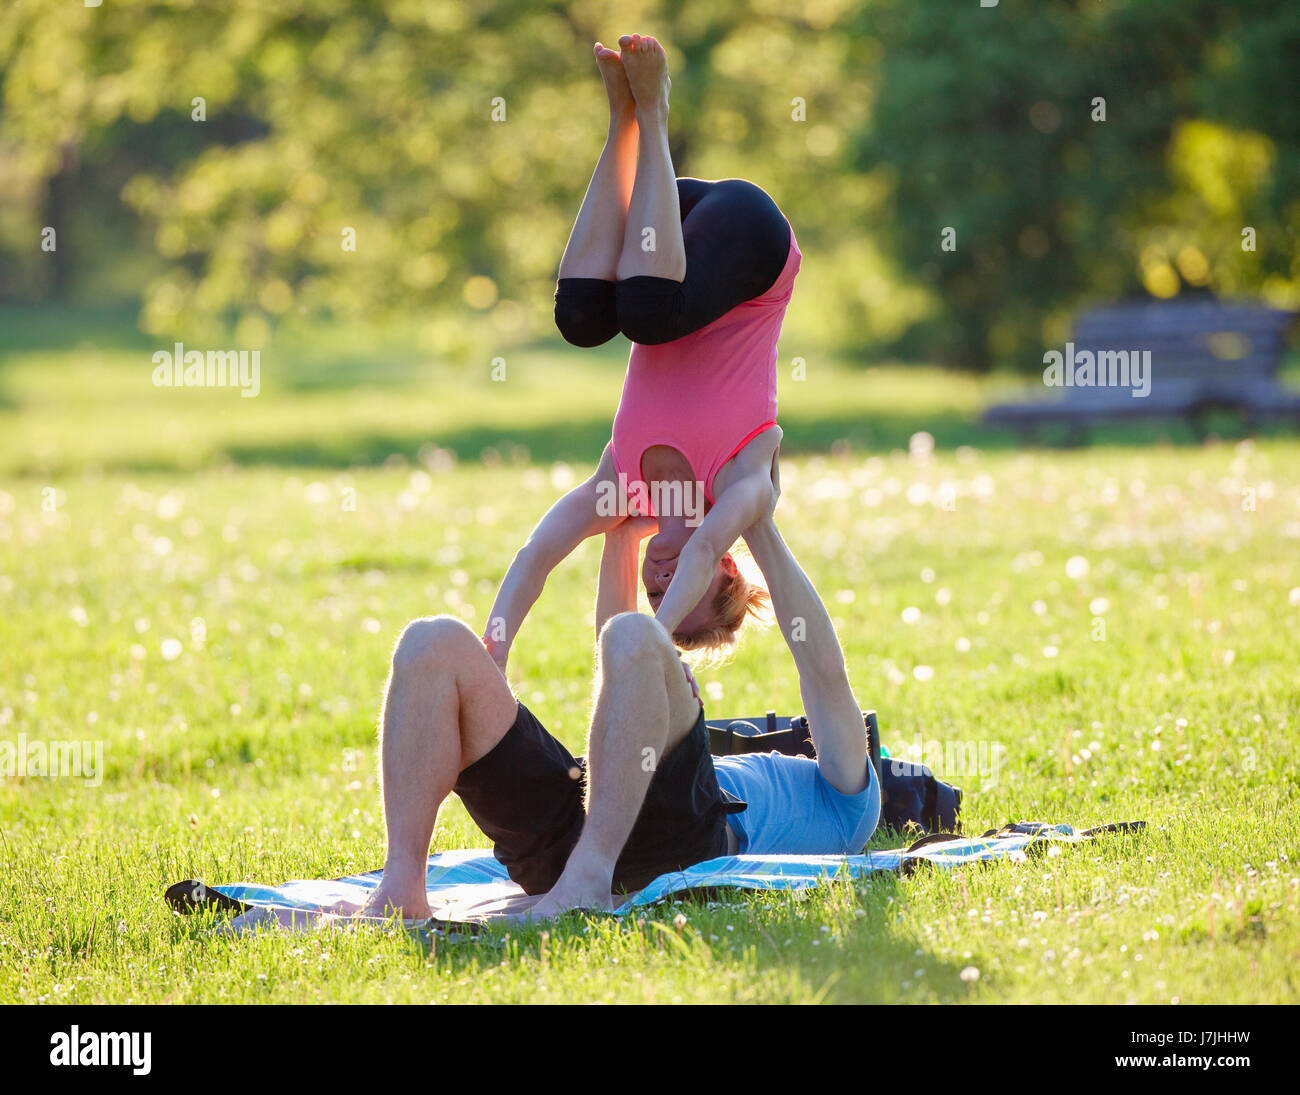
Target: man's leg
645 706
446 705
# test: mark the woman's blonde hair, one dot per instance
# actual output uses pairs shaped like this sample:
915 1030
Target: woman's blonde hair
740 598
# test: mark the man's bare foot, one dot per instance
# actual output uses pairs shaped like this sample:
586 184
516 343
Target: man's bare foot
622 105
646 65
576 889
411 903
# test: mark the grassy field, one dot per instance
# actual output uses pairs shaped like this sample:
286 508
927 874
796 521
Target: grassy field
210 586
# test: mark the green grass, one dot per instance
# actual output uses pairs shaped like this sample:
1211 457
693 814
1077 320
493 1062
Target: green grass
367 485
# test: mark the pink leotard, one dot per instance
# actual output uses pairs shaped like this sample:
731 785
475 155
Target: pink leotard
709 393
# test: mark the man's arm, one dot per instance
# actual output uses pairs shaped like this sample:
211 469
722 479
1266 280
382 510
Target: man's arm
833 714
616 591
566 524
616 587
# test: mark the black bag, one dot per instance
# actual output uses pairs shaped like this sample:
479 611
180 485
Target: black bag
910 795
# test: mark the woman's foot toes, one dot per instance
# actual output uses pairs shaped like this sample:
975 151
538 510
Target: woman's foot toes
646 66
621 102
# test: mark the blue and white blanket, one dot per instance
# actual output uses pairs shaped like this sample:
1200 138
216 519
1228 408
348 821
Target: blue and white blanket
470 888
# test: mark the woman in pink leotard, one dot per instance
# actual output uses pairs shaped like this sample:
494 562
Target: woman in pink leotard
698 275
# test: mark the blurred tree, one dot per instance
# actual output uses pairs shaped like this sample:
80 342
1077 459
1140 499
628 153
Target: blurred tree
989 122
247 163
337 158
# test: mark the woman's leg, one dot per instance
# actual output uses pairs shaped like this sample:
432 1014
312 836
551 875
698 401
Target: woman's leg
585 309
597 237
652 241
714 245
737 243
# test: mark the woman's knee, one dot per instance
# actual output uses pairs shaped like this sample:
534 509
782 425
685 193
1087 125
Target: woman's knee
586 311
651 310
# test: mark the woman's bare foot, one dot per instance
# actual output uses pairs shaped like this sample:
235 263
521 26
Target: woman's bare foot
646 65
622 104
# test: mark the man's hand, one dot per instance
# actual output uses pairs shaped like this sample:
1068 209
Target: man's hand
766 524
616 586
690 678
776 479
635 528
499 651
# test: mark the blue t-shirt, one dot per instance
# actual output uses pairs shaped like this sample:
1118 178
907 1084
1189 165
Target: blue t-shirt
792 810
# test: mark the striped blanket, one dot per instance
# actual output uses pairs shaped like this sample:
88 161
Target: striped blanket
469 889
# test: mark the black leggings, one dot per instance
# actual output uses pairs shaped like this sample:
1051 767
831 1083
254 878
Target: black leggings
737 242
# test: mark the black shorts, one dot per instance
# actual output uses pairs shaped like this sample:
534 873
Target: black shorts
527 797
737 243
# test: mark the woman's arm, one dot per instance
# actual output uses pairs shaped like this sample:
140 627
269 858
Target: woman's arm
742 504
566 524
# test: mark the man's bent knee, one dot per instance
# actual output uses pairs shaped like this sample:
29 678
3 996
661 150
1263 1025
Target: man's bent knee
432 639
633 635
633 639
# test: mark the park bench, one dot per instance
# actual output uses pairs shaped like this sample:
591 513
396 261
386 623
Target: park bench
1202 354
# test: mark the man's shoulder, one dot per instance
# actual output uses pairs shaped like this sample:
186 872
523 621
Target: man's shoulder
771 759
